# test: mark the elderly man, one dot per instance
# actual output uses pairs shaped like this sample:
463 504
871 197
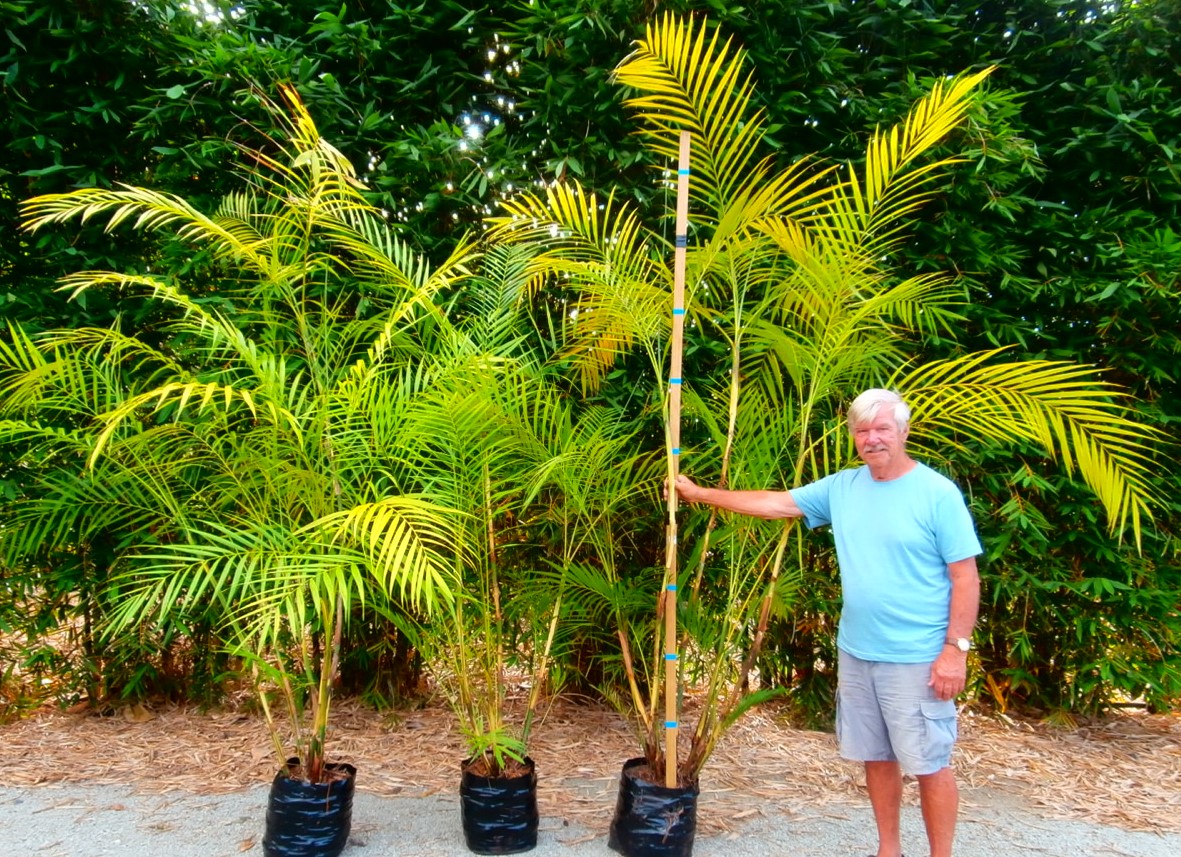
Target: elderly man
906 548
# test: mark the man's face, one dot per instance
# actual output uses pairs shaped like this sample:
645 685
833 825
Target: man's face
879 441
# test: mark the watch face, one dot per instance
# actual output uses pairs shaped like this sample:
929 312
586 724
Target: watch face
963 645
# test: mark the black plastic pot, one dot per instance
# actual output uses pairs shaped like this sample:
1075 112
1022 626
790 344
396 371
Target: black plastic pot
652 820
499 813
309 819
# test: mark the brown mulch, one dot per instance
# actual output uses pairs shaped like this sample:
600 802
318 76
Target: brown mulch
1124 771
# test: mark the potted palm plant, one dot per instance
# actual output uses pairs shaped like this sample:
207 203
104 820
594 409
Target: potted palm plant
487 432
263 506
784 268
467 438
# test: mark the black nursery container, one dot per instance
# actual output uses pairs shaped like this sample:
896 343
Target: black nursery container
499 813
652 820
309 819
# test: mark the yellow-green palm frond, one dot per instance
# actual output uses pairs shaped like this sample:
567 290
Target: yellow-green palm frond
242 215
579 235
745 225
417 283
722 281
20 353
217 335
831 332
694 81
26 369
567 216
408 541
843 356
45 437
821 272
154 287
873 206
928 122
920 304
831 289
77 373
311 185
1065 408
375 252
101 349
313 177
595 464
188 396
610 317
602 253
146 209
263 576
314 152
766 424
765 197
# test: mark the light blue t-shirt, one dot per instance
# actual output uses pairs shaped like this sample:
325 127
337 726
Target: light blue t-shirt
894 541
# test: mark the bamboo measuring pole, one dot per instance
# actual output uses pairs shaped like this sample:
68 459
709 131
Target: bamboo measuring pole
674 442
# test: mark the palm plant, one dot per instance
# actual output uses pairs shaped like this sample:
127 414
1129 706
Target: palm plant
786 268
467 439
246 455
485 431
62 529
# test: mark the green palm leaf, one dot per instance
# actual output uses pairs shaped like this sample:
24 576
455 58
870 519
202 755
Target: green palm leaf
404 539
146 209
601 251
182 396
693 81
1065 408
869 212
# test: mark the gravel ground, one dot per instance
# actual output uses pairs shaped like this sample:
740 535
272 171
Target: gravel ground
102 821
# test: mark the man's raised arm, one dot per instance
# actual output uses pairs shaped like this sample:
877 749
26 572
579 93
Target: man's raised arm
758 504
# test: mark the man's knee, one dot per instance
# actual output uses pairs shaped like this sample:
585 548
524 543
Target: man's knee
939 780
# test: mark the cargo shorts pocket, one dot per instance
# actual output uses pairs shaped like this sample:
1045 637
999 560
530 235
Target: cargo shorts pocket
939 717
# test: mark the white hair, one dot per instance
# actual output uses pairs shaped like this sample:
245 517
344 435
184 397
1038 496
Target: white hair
866 406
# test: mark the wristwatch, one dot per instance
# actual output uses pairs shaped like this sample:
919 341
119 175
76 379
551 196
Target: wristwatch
961 643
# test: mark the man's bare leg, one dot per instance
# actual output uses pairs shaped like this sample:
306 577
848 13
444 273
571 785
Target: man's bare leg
883 780
940 797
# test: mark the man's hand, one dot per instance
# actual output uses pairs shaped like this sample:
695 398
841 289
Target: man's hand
949 673
687 489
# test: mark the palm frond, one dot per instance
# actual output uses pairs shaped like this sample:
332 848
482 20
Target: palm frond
190 395
407 540
416 302
600 251
20 431
388 263
63 507
1065 408
147 210
694 81
869 210
20 354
